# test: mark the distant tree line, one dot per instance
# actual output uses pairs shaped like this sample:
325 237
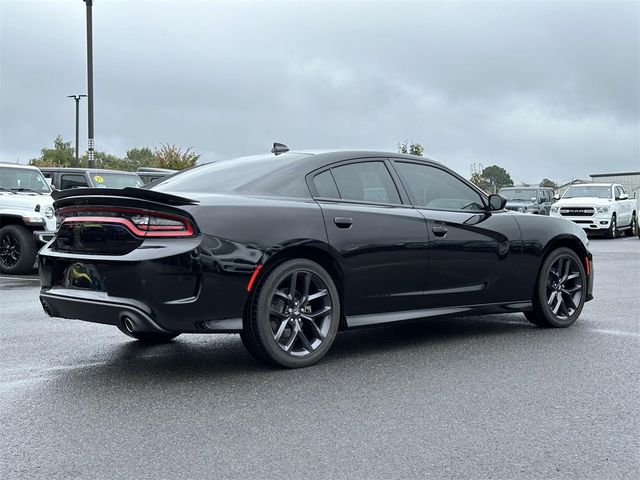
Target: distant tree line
164 156
489 179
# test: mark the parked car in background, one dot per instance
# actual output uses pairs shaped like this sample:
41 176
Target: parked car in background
27 218
292 247
598 207
63 178
638 213
148 174
534 200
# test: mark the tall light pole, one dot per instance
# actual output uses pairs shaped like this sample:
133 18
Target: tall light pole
90 144
77 99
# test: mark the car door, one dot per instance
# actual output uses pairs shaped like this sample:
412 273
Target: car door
473 253
381 241
624 210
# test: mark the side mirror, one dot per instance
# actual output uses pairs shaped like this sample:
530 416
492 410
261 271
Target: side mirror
541 200
497 202
624 196
556 197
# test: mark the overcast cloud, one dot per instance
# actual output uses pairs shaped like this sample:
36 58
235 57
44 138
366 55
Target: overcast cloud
545 89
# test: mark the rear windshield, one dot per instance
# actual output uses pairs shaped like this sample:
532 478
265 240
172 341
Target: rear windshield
262 174
115 180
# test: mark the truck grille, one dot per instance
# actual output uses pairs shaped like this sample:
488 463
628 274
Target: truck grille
577 211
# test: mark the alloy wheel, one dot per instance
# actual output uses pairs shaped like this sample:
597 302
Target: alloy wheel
564 287
300 313
9 249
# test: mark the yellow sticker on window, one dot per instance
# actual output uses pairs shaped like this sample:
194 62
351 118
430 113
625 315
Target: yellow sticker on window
98 179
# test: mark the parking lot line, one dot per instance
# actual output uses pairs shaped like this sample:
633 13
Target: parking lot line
616 332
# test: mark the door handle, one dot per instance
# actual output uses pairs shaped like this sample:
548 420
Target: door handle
439 231
343 222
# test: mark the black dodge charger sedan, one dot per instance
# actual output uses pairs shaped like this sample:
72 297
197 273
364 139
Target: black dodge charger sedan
287 249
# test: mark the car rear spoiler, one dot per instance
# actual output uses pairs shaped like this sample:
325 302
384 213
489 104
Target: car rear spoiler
127 192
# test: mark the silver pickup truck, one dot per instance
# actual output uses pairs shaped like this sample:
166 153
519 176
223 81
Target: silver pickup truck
598 207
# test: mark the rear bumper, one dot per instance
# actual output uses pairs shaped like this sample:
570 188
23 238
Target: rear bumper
98 307
180 286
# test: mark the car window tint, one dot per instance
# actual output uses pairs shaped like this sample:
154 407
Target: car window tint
438 190
366 181
72 181
325 186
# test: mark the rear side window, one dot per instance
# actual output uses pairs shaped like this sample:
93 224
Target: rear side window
436 189
325 186
367 182
72 181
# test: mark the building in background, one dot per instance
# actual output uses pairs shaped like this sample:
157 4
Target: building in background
629 180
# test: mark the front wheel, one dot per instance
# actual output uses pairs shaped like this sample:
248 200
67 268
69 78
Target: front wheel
17 250
612 232
560 290
294 315
633 231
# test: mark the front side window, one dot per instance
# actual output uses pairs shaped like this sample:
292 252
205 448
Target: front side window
366 182
436 189
72 181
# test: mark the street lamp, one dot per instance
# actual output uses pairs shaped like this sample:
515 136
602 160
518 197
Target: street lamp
77 99
90 145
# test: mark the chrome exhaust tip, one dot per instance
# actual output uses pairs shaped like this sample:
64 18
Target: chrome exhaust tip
128 324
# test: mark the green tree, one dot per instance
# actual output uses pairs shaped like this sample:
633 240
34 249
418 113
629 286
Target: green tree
497 177
61 155
170 156
140 157
106 160
412 148
548 183
477 179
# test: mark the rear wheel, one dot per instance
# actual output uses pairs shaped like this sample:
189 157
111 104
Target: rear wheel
17 250
612 232
294 315
560 290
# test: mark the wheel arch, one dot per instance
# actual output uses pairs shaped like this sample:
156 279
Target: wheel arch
318 253
7 219
568 241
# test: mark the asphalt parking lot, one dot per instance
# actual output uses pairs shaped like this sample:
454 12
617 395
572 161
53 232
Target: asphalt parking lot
477 397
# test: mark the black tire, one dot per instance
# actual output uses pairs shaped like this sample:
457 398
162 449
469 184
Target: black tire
633 226
282 328
149 337
560 290
17 250
612 232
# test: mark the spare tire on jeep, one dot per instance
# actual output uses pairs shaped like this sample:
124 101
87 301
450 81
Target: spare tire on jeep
17 250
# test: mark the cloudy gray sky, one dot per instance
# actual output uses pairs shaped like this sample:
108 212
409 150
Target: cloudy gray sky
543 88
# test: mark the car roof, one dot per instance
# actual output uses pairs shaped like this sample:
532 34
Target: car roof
82 170
522 188
594 185
17 165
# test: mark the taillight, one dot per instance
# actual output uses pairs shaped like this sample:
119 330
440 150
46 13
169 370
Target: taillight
142 223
